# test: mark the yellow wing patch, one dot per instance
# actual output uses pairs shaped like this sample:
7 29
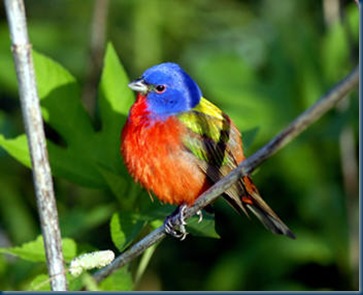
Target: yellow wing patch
206 107
205 119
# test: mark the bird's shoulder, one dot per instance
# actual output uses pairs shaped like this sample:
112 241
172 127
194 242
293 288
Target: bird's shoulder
206 119
211 134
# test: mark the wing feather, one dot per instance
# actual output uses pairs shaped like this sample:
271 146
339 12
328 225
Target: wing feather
216 144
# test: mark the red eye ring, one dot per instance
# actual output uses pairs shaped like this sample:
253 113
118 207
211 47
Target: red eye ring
160 88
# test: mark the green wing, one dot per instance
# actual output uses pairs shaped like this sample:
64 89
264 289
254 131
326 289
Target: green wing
216 144
212 138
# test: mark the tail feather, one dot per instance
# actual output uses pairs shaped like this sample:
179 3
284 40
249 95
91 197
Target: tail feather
270 222
252 200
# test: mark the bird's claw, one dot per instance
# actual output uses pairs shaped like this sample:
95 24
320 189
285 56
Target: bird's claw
200 214
176 220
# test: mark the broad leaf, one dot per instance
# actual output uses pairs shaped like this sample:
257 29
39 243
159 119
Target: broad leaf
80 153
34 250
204 228
60 94
119 280
40 283
125 228
17 148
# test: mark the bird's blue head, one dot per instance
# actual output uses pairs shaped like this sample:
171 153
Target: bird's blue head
168 89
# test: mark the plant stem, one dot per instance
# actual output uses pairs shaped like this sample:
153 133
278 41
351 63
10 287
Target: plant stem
42 177
145 259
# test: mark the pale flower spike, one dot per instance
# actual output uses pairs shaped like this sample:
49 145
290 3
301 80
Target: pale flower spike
90 260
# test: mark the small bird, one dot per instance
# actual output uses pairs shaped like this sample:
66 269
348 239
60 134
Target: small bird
177 144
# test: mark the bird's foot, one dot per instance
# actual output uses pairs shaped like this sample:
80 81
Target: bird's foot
176 220
200 214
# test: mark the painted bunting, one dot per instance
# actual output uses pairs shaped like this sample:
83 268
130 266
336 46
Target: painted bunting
177 144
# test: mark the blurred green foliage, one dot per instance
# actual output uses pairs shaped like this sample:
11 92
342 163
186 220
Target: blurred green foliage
263 62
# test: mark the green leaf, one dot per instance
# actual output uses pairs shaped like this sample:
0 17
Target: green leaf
34 250
76 165
40 283
90 153
125 227
31 251
88 282
62 110
205 228
79 221
69 248
17 148
80 153
115 96
118 185
120 280
60 95
115 99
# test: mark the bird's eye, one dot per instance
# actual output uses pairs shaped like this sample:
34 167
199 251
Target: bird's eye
160 88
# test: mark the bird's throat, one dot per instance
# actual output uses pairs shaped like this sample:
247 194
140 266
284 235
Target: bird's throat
141 113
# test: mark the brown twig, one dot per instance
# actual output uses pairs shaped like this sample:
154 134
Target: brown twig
37 144
307 118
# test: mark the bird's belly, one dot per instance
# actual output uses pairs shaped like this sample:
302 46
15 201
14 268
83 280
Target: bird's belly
156 157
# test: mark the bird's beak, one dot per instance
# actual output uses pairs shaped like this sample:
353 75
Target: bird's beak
138 86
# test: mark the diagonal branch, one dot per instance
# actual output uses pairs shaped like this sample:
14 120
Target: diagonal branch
36 141
307 118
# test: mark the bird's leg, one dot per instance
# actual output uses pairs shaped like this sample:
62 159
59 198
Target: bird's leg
176 219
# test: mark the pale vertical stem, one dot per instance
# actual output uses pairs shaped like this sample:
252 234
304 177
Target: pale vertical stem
96 51
43 183
331 9
349 164
333 13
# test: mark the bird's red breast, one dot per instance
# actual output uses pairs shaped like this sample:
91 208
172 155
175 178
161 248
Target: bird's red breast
155 156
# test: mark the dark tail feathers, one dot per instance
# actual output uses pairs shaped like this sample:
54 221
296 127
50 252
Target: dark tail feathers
272 223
